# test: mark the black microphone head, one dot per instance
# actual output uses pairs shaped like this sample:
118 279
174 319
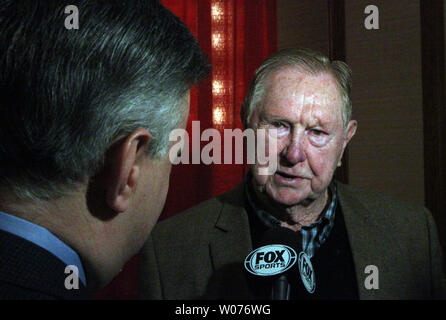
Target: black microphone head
277 254
281 235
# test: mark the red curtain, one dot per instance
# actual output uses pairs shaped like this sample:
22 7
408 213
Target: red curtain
236 35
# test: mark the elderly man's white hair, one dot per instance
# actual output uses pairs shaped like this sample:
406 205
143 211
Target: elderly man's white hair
308 61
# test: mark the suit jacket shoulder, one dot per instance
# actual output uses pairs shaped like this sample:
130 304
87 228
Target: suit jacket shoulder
398 237
28 271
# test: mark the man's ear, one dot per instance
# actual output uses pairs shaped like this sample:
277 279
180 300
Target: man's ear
123 168
350 132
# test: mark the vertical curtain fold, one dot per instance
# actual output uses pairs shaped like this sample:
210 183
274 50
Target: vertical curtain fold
236 35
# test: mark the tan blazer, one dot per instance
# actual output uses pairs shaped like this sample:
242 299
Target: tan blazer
199 253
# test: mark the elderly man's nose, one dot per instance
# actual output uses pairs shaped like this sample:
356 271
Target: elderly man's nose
294 152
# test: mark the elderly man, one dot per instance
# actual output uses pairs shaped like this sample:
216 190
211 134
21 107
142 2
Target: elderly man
85 116
360 245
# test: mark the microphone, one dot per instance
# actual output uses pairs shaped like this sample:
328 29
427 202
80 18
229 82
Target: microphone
275 259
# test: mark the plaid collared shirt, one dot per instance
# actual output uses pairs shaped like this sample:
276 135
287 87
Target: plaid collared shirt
313 235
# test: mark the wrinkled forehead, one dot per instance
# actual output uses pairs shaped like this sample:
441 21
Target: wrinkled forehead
296 89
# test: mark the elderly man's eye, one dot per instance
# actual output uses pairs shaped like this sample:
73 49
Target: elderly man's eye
317 132
318 137
280 128
277 124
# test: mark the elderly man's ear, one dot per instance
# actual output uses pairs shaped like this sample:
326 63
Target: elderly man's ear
351 130
123 169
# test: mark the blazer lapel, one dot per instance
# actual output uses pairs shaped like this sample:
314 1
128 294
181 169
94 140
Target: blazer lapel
230 244
233 240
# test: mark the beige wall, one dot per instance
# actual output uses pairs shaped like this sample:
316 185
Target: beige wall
387 152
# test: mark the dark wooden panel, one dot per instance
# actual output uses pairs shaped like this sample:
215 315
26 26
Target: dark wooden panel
336 44
302 23
336 29
433 69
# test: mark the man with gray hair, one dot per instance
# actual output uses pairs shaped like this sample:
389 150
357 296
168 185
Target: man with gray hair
351 244
85 117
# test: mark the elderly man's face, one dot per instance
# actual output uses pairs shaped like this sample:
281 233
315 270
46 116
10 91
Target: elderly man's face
306 111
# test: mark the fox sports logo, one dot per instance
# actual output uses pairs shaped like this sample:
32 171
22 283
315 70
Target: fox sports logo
270 260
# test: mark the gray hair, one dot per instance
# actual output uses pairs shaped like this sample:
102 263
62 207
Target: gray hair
67 95
309 61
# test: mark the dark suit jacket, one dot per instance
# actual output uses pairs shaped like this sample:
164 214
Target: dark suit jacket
199 253
28 271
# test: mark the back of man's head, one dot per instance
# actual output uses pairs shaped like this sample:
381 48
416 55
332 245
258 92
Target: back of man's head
67 94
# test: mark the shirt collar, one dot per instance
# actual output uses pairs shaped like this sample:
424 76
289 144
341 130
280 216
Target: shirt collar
43 238
270 221
329 213
314 234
